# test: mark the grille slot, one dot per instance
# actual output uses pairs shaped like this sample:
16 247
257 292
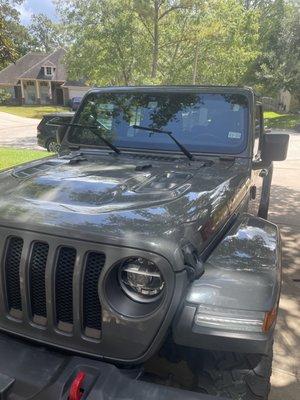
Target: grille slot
64 287
91 304
12 274
37 267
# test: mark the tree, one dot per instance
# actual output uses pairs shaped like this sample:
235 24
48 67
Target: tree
116 42
14 38
107 43
277 66
139 41
154 14
220 41
8 52
46 35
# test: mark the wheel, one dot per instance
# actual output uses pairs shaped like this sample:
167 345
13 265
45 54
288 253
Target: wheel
236 376
52 146
232 376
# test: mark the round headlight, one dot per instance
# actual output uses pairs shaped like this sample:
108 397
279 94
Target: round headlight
141 280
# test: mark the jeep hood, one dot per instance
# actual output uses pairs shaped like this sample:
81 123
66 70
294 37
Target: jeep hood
120 199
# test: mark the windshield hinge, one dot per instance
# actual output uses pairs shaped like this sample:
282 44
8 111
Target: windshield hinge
194 265
227 158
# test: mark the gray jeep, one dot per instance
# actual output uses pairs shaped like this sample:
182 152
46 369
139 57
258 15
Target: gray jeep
139 263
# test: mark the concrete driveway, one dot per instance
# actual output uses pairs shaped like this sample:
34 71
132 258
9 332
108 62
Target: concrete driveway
285 212
18 131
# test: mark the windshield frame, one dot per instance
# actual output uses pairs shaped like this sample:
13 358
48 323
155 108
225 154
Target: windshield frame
247 92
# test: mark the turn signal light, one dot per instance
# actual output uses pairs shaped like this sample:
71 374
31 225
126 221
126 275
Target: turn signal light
229 319
269 320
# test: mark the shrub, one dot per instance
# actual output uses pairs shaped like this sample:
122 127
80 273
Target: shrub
4 96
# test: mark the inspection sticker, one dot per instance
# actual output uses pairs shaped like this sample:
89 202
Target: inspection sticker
234 135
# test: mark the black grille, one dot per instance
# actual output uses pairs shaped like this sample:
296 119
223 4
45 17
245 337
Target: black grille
12 272
91 304
37 279
64 284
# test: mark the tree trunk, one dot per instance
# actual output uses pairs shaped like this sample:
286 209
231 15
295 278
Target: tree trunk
155 39
195 67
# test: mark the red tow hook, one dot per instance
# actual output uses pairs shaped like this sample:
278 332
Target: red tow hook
76 390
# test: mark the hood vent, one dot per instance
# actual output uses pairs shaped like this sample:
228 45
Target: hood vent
166 181
25 172
152 157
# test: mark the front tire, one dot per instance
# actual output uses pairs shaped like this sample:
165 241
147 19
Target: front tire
236 376
52 146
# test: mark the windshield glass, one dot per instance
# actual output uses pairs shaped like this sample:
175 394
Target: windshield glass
206 122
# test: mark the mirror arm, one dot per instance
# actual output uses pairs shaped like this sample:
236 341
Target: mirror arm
261 164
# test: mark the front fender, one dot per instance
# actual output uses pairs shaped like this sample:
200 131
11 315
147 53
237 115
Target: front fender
242 275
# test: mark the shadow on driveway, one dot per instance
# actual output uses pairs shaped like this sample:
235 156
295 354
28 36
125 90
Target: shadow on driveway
285 212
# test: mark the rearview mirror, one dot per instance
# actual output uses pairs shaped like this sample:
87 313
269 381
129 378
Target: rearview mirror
275 147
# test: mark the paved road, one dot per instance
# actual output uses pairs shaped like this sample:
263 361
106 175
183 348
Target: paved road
18 131
285 211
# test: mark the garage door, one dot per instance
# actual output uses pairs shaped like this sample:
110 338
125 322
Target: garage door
77 92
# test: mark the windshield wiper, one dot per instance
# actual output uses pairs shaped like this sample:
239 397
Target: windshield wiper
170 134
93 129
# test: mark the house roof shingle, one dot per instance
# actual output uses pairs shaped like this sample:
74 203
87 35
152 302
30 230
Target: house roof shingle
30 67
53 59
79 83
11 73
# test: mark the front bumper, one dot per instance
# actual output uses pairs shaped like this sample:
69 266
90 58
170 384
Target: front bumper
33 372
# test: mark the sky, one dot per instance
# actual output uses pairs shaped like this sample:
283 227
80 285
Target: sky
29 7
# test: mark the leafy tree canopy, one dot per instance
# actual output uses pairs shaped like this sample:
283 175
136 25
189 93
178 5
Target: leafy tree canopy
117 42
184 41
160 41
13 36
277 66
45 34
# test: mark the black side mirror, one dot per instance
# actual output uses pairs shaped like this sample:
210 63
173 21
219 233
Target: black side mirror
275 147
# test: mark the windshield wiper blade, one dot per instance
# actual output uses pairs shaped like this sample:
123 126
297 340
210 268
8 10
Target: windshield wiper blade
92 128
170 134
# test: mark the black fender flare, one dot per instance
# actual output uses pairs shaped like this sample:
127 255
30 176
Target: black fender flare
242 273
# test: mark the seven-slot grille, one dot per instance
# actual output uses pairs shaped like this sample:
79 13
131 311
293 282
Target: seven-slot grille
32 264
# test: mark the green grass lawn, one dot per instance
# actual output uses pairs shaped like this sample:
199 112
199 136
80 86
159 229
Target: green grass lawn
10 157
32 111
281 121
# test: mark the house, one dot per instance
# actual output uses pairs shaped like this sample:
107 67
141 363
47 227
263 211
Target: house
40 78
284 102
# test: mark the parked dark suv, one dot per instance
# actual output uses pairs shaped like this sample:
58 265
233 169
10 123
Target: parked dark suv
46 134
140 263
